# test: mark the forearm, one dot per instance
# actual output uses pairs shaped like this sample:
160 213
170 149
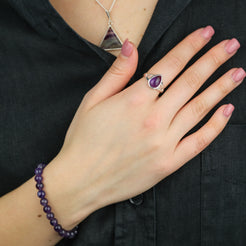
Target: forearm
23 221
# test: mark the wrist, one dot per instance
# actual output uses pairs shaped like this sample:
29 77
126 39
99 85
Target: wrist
69 204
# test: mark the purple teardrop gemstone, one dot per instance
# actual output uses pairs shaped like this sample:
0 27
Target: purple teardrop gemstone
155 81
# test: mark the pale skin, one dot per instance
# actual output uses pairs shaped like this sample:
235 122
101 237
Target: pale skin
123 141
87 18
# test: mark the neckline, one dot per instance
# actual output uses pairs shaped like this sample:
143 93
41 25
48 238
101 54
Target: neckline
44 18
52 11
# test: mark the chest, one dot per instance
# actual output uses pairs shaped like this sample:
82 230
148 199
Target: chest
129 18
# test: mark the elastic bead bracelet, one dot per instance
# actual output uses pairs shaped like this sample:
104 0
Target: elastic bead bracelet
47 209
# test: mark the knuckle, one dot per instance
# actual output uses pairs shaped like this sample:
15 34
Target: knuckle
192 78
87 96
198 108
224 87
215 58
176 61
194 43
162 168
213 127
116 69
152 122
201 143
154 144
135 99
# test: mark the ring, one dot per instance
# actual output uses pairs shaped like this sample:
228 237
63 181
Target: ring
155 81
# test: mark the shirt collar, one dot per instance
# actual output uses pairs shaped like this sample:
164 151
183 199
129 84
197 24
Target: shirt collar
41 15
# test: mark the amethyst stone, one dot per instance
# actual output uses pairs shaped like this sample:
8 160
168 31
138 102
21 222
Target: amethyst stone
47 208
41 194
53 222
67 234
62 232
50 215
38 179
72 235
38 171
155 81
57 227
39 186
44 201
41 165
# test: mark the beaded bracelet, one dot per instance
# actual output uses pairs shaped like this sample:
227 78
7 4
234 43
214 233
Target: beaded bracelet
47 209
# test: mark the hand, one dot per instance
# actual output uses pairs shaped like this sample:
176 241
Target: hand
122 142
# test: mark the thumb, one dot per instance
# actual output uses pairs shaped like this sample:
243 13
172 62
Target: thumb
116 78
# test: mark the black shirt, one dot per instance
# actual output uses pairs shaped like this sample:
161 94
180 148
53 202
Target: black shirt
45 70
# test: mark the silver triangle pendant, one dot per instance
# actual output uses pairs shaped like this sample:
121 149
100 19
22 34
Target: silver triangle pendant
111 40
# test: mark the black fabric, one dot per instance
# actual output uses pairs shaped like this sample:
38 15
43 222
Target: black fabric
45 70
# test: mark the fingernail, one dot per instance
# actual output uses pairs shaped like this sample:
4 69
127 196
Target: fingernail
238 75
127 48
228 110
232 46
208 32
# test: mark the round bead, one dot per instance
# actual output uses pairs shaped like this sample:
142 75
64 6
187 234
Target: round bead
67 234
50 215
38 171
39 186
57 227
44 201
53 222
62 232
72 235
38 179
47 208
41 194
41 165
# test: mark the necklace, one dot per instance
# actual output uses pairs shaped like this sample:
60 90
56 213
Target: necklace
111 40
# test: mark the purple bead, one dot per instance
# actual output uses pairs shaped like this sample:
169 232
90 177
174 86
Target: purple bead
67 234
72 235
47 208
41 165
41 194
53 222
39 186
50 215
155 81
57 227
62 232
38 171
38 179
44 201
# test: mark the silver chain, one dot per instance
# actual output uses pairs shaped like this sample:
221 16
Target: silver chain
107 11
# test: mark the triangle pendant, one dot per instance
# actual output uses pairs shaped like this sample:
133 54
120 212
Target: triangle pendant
111 41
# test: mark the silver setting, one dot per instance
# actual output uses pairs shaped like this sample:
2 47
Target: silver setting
149 76
110 23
